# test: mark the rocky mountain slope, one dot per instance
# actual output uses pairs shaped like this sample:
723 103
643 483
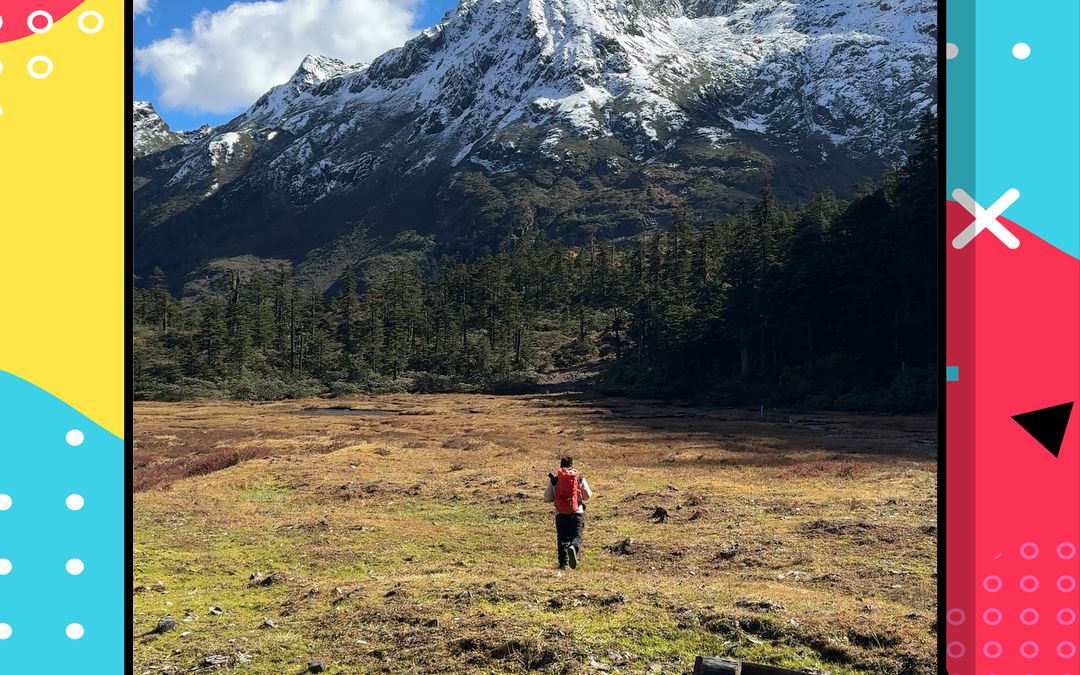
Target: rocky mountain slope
574 116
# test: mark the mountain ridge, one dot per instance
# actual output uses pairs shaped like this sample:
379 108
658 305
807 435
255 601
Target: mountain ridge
574 116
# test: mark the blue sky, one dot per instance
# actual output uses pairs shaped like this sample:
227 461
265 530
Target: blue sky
187 101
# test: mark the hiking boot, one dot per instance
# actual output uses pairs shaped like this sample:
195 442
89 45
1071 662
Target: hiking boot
571 554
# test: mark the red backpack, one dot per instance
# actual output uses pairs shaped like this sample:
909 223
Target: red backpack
567 491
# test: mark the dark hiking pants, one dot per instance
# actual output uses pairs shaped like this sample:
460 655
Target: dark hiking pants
568 528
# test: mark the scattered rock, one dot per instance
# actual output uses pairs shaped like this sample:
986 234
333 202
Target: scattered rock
158 587
489 585
313 592
185 634
696 515
316 667
728 552
616 599
269 623
215 661
624 547
659 515
836 527
216 611
343 597
268 580
165 624
431 623
596 665
830 578
763 606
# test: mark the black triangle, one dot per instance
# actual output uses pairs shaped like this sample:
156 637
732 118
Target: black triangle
1047 425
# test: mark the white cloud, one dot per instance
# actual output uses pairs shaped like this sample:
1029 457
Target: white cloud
231 57
141 6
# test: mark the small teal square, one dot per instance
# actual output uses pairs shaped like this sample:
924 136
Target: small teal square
952 373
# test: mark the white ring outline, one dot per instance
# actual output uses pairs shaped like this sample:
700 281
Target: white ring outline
93 13
36 14
33 73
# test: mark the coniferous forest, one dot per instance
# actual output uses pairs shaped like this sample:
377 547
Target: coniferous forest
829 304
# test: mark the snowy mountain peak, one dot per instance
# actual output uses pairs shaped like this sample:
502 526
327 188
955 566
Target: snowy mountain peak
662 104
150 133
315 69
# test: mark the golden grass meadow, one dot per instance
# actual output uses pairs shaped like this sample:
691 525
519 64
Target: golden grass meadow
406 534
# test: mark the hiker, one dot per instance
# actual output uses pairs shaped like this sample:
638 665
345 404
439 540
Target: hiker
569 491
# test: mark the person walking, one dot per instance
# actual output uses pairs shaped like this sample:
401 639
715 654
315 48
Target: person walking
568 491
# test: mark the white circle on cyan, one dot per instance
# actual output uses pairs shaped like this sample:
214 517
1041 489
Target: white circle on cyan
74 631
951 50
74 502
34 28
5 631
5 567
34 73
1021 50
91 14
75 438
5 502
74 567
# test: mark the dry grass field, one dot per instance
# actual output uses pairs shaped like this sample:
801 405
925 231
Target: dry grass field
408 535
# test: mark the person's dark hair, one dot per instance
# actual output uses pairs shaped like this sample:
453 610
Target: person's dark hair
566 462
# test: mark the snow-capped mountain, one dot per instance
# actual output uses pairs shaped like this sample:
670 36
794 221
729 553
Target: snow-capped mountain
573 115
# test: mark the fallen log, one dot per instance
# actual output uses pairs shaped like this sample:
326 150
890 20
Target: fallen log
712 665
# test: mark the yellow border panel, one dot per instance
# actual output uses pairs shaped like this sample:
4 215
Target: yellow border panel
62 160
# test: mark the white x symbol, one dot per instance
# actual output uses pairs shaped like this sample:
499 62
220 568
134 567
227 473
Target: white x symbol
986 219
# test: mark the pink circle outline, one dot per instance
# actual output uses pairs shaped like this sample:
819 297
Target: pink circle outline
1071 613
1023 649
949 650
1032 545
958 621
996 645
1024 584
1072 548
1024 612
996 621
1068 644
1070 579
996 579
